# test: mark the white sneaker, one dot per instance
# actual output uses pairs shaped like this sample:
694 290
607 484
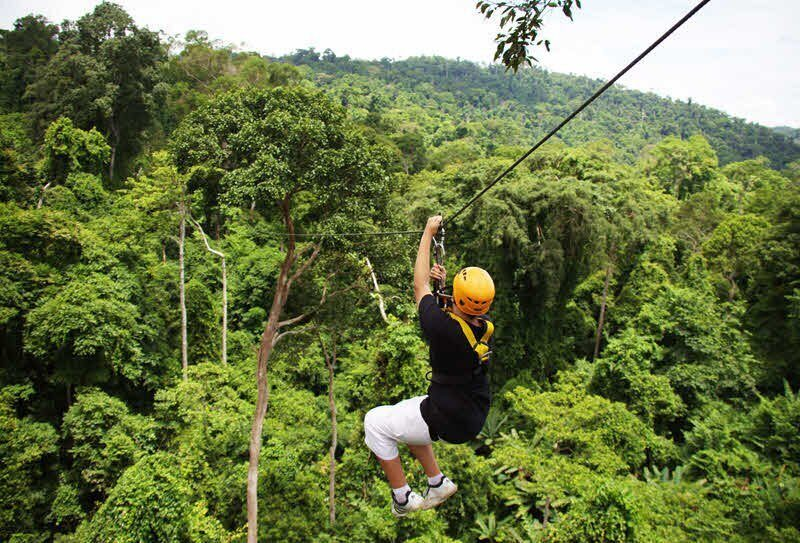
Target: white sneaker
413 503
435 495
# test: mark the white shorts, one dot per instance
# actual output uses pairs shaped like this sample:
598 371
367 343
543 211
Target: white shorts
387 425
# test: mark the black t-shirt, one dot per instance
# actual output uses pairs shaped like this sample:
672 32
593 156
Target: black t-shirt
455 413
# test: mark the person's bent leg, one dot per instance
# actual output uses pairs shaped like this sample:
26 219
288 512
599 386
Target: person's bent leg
394 472
439 487
381 434
424 454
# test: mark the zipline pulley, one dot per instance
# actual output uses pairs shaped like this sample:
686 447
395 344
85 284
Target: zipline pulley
442 298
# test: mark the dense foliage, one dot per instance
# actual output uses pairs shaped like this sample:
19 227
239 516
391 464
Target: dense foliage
648 310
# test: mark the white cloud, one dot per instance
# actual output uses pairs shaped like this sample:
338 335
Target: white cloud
740 56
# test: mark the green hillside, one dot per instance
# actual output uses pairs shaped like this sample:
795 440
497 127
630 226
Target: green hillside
525 105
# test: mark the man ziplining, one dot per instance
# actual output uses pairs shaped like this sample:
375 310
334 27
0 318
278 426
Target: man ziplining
458 399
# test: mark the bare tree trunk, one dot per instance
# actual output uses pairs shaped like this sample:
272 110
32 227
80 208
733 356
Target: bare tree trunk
224 312
112 162
262 401
268 340
184 340
330 362
221 255
381 305
598 336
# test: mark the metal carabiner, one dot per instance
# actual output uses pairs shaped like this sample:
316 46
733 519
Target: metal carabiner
439 253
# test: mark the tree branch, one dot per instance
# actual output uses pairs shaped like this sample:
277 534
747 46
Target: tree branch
205 239
280 336
324 298
304 266
381 305
307 314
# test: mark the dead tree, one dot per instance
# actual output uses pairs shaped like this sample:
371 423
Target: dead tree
40 203
221 255
181 243
330 363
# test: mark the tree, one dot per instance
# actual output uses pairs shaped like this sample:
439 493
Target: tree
329 353
681 167
25 49
412 147
17 159
68 150
28 450
290 151
87 327
152 502
105 440
104 75
733 249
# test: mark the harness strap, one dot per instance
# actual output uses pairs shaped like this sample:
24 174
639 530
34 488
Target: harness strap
446 379
481 347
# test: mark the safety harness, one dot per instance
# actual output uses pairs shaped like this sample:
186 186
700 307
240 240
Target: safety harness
481 347
482 354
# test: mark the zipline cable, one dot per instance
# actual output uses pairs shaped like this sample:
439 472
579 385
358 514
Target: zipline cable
583 106
346 234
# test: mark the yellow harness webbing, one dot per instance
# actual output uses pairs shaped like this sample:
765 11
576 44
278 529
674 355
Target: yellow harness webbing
481 347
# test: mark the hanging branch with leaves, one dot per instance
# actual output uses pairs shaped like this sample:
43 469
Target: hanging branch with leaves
521 25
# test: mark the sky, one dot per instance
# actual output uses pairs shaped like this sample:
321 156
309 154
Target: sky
740 56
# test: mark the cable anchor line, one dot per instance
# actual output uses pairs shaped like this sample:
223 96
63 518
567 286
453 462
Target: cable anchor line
583 106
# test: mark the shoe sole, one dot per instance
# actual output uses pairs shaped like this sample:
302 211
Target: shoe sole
431 503
398 514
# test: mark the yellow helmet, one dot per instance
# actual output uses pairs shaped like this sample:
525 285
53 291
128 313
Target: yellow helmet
473 290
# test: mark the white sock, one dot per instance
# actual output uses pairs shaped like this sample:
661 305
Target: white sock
436 479
400 494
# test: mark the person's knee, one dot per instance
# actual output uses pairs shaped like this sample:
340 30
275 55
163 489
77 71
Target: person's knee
371 421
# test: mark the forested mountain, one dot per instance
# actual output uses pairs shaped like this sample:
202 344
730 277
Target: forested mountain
791 133
523 106
160 294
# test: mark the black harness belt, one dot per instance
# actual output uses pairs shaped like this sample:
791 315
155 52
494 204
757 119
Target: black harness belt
463 379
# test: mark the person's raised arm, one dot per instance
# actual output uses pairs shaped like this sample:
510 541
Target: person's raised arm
422 265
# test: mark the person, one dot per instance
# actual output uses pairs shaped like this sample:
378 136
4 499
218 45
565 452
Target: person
455 407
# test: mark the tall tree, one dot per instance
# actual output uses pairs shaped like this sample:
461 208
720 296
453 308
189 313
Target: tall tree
329 353
681 167
290 151
104 75
182 214
24 49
